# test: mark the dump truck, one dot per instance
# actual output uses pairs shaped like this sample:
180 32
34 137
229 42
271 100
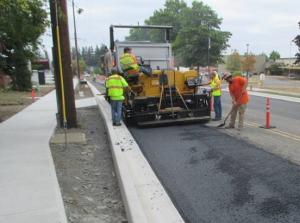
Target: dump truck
166 95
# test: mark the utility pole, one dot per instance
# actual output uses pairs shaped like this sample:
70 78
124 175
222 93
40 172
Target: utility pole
64 79
208 53
208 48
247 59
75 37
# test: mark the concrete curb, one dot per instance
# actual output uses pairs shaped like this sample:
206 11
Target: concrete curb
145 199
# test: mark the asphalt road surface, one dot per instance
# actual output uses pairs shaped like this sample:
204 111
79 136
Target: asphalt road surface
213 177
284 115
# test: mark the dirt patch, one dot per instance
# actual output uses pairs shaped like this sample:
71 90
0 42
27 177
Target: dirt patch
11 102
86 174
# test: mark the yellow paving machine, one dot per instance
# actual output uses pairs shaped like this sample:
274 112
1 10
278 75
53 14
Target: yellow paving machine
165 95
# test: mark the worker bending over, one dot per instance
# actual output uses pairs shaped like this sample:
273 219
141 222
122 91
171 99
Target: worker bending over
215 85
115 85
130 65
238 92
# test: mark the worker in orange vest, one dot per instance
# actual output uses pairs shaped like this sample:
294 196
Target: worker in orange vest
239 95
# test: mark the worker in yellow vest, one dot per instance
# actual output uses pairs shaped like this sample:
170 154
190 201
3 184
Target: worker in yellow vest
216 92
130 65
115 85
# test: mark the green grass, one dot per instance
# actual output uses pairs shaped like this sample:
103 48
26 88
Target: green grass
14 97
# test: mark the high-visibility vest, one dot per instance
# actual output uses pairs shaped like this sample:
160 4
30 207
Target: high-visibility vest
215 85
115 85
128 62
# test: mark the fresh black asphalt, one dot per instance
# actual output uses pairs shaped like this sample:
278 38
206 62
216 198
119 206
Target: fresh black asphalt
214 177
278 107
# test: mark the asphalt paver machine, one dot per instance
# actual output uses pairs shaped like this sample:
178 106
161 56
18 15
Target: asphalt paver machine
165 95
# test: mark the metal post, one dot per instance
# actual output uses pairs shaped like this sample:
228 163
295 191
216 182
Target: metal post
167 36
55 63
208 48
289 74
76 45
111 34
247 60
208 53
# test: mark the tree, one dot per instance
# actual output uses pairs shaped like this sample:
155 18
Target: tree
234 62
297 42
82 66
169 15
200 32
275 69
21 24
193 28
91 56
248 63
274 55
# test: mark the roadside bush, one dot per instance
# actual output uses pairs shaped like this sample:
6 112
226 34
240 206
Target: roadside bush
275 69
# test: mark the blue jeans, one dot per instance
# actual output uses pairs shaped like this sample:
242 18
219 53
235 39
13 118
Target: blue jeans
116 111
218 107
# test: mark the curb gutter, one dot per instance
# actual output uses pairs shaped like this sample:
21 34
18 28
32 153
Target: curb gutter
145 199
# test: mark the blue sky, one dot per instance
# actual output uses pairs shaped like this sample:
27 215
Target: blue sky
265 25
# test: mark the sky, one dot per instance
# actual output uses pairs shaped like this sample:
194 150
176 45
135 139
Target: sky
265 25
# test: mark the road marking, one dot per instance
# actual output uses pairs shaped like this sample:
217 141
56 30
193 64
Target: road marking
276 131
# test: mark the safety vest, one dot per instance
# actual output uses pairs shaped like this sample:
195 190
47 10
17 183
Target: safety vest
115 85
128 62
215 85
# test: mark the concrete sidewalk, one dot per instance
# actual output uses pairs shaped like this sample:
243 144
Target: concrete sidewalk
29 188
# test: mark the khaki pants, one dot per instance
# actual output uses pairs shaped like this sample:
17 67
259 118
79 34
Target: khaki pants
241 109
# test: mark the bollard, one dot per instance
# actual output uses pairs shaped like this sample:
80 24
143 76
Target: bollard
268 115
212 103
33 95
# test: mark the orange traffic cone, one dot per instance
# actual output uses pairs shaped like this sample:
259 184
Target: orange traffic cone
33 95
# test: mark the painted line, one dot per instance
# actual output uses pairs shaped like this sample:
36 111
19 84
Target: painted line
276 131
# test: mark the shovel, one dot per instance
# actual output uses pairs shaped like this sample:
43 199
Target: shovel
223 124
227 116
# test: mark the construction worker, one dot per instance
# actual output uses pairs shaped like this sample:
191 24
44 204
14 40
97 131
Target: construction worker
215 85
238 92
130 65
115 85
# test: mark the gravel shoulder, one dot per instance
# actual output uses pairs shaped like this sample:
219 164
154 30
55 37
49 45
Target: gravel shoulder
86 174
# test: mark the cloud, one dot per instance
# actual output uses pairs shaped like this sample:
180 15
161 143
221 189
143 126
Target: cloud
265 24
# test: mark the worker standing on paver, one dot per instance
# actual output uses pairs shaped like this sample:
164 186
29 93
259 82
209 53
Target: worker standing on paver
240 98
115 85
216 92
130 65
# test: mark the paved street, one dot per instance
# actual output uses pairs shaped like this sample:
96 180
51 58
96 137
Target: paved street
214 177
284 115
281 82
